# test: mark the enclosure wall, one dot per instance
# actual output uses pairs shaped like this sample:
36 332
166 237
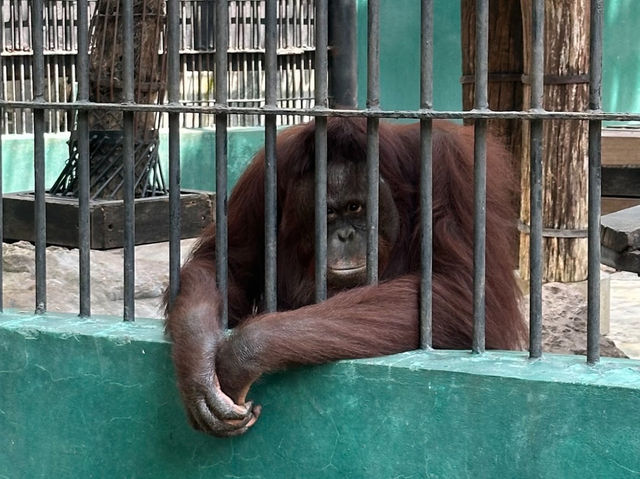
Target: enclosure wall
96 398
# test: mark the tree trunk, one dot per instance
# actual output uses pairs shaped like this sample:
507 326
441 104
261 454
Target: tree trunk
565 161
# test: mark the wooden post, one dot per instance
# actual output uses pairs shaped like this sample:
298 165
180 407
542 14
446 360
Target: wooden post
505 67
566 88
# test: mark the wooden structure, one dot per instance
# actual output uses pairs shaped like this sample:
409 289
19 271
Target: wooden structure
620 169
565 142
106 85
620 238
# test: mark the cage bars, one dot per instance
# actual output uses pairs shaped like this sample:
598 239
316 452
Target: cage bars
480 175
536 135
173 91
128 154
270 204
426 175
595 185
373 140
84 227
273 109
38 156
222 45
322 102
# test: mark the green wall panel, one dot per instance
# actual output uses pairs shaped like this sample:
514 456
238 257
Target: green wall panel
17 160
621 57
96 398
400 55
197 157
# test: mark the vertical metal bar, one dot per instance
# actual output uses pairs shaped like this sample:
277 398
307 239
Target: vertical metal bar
373 144
173 80
1 203
535 235
595 187
270 203
2 132
343 54
84 231
222 43
426 174
128 151
321 100
37 44
480 176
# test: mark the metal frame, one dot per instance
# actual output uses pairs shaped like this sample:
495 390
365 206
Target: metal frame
321 111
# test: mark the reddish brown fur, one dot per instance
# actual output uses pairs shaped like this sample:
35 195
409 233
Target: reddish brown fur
361 322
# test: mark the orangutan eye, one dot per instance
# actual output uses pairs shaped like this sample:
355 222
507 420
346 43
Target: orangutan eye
355 207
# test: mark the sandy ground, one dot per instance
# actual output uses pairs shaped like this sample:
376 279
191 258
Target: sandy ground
564 305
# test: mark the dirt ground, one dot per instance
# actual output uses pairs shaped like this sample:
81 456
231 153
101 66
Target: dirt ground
564 305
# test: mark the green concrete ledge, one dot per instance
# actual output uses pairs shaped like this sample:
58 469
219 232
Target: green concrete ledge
96 398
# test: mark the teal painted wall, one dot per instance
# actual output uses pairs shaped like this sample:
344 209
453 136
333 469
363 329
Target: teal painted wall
621 57
197 157
96 398
17 160
400 55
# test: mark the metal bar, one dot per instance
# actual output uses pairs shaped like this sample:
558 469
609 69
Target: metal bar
324 112
373 139
480 176
173 81
1 205
321 99
128 152
84 226
426 175
343 54
595 186
222 44
270 203
535 237
37 43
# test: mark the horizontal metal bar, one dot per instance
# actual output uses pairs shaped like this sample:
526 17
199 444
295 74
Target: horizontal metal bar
325 112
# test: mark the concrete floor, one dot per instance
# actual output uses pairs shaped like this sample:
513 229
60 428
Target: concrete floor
624 312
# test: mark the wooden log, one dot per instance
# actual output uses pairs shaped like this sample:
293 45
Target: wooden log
620 231
621 146
566 62
611 204
621 181
627 261
106 218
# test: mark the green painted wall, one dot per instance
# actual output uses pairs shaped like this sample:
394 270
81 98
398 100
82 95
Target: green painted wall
17 160
197 157
621 57
400 54
96 398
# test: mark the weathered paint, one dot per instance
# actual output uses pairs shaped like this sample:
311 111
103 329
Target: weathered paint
96 398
